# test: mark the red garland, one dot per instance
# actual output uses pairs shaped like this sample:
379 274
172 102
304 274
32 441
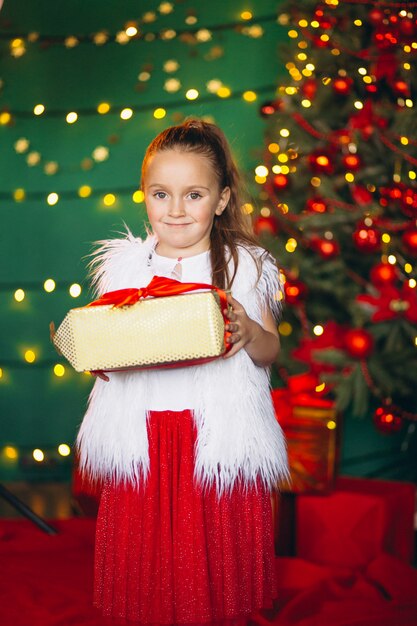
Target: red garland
379 3
394 148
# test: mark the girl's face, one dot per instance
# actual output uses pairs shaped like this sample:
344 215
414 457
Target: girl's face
182 197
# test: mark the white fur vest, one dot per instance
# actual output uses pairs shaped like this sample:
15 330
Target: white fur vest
238 436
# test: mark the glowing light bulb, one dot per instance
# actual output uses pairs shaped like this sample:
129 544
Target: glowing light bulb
52 198
38 455
30 356
19 295
59 370
75 290
192 94
318 330
49 285
261 170
109 199
159 113
249 96
126 113
103 108
38 109
64 449
84 191
10 452
138 196
72 117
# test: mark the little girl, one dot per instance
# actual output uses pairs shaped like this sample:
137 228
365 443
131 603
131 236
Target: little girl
189 455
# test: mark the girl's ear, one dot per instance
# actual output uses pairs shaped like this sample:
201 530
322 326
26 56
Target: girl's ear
224 201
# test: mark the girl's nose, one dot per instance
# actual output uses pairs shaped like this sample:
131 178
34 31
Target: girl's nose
176 208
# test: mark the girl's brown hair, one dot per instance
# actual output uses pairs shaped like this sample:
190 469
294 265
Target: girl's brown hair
232 228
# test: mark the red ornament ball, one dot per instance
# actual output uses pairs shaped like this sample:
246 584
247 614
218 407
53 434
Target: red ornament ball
265 225
387 421
326 248
270 107
407 27
409 239
316 205
367 239
342 86
401 87
309 88
280 182
383 274
352 162
295 291
409 201
376 16
320 161
359 343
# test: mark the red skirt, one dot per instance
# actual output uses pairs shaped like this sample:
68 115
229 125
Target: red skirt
168 552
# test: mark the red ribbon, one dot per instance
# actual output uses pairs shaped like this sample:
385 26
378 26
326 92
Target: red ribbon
160 287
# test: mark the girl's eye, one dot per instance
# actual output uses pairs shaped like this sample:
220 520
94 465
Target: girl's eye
160 194
194 195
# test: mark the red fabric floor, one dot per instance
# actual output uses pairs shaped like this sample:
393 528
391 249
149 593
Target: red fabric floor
47 581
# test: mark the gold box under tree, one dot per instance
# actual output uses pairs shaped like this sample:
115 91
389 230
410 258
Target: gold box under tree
155 331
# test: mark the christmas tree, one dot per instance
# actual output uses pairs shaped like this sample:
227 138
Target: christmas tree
339 197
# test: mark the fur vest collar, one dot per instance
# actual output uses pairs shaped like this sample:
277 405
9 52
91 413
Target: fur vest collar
238 436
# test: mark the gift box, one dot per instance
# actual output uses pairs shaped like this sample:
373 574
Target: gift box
309 422
160 325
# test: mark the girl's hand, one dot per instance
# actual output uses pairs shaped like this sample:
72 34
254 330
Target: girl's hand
100 374
240 325
260 342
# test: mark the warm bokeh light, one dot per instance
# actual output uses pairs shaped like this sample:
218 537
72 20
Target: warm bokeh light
159 113
10 452
49 285
126 114
52 198
192 94
19 295
38 455
38 109
30 356
71 117
64 449
84 191
138 196
103 108
109 199
59 370
75 290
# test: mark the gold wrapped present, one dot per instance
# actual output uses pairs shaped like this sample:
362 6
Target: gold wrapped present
139 328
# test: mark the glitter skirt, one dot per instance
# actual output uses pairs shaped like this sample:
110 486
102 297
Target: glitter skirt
168 552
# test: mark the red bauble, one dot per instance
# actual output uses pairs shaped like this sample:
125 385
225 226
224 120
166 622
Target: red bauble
316 205
367 239
320 161
270 107
359 343
401 87
295 291
361 195
327 248
265 225
387 421
383 274
280 182
309 88
409 201
352 162
409 239
407 27
342 86
376 16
